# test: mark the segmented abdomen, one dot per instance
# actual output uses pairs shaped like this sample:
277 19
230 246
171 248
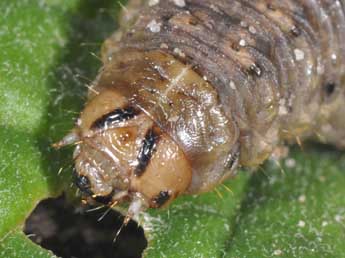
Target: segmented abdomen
277 68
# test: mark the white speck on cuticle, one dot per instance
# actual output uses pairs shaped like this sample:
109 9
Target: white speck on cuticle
299 54
180 3
154 26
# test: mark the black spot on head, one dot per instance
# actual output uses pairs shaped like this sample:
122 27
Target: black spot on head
116 116
104 199
161 198
83 183
330 88
255 69
295 31
145 153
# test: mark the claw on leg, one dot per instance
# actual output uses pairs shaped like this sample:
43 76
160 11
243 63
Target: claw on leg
137 205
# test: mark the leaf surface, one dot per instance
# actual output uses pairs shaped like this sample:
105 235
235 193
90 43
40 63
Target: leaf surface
295 209
292 210
46 61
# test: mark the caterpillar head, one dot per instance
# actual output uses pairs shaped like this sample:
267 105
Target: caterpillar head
122 155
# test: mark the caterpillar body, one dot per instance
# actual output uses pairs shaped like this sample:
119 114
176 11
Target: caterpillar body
192 89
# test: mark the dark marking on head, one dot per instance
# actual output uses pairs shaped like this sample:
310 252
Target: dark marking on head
116 116
161 198
146 151
329 88
107 199
255 69
295 31
83 183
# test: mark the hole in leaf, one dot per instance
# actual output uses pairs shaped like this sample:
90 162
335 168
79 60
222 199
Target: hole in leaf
70 231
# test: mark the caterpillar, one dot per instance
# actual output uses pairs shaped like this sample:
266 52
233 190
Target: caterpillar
192 89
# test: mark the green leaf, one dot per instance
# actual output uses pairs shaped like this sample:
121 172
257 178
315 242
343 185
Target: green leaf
196 226
45 61
16 245
32 36
284 211
300 213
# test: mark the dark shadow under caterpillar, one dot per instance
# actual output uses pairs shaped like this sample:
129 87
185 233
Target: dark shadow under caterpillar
192 89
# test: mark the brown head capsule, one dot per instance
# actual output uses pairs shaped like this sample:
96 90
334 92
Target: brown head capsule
190 91
123 155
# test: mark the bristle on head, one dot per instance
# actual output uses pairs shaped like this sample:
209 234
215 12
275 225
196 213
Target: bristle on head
69 139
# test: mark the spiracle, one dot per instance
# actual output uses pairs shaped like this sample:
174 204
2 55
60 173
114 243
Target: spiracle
192 89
